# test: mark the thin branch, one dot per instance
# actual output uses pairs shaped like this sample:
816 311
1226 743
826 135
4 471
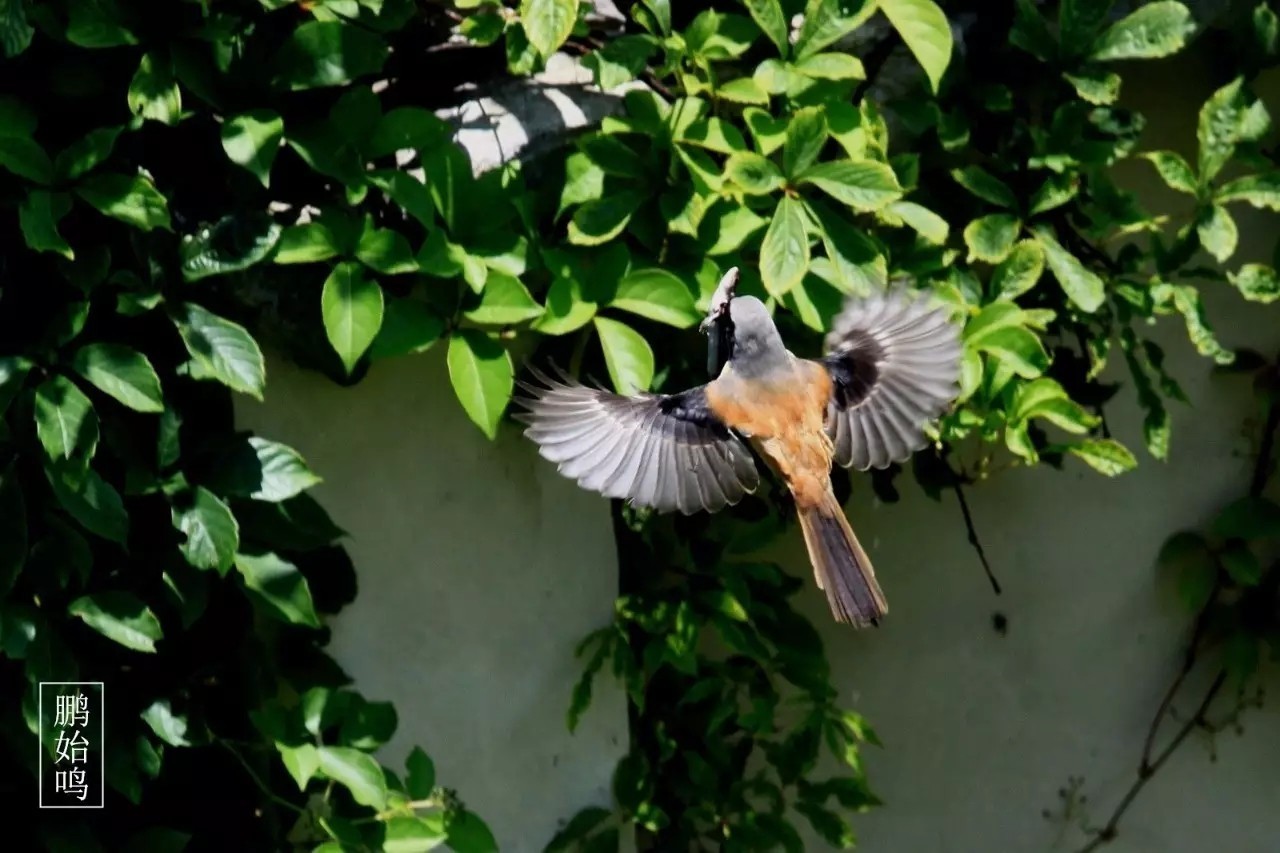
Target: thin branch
973 534
1109 832
257 780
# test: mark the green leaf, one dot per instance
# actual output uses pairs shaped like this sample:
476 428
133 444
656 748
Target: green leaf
406 128
1187 557
991 237
1045 398
408 326
307 243
411 835
1018 348
1217 232
132 199
25 158
153 93
1241 565
38 216
1219 128
1173 170
1155 30
469 834
87 153
567 310
714 35
1249 518
1019 272
351 305
627 356
119 616
831 66
90 500
755 174
97 23
658 295
302 762
1079 22
1056 191
1256 282
1185 299
1262 191
828 21
168 726
420 778
327 53
213 536
925 29
234 243
13 375
858 266
357 772
744 90
784 254
1095 85
806 134
548 23
504 302
864 185
924 221
252 140
1106 455
601 220
65 420
1083 287
221 349
15 32
122 373
985 186
482 377
263 470
769 18
280 586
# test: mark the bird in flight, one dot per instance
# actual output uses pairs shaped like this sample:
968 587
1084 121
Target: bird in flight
892 365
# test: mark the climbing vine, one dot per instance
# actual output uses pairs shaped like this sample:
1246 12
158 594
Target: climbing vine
182 181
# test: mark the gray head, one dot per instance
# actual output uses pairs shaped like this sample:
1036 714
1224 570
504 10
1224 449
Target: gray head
757 346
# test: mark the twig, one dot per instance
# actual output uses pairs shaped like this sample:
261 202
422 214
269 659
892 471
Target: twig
271 795
1109 832
973 534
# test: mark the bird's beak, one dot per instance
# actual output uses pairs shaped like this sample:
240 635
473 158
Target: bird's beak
720 299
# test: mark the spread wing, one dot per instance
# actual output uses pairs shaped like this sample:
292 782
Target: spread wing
894 362
667 452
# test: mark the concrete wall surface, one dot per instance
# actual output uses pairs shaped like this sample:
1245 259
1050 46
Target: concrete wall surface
479 570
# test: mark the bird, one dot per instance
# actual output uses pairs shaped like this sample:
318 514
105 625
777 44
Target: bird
890 365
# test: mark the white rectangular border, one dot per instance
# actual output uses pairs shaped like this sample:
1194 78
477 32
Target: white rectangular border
102 738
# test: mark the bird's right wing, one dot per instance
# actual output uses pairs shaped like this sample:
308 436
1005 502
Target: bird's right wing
667 452
894 363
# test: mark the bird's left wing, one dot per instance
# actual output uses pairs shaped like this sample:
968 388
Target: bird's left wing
665 451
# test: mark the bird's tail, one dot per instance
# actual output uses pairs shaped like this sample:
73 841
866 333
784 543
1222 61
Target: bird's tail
840 566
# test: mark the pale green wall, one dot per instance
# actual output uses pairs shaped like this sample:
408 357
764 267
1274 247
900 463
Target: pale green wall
480 568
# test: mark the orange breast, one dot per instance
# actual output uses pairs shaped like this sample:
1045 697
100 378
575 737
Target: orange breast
785 421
